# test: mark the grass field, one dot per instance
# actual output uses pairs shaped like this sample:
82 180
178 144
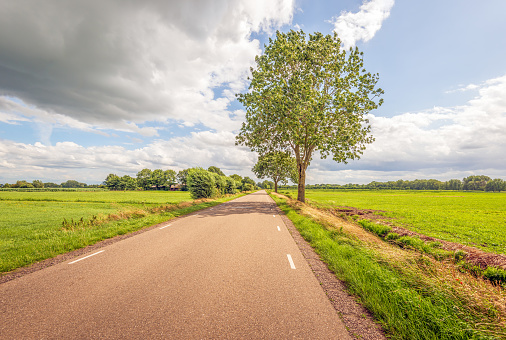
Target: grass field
473 218
32 224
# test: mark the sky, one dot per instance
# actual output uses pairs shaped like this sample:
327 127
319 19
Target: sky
91 87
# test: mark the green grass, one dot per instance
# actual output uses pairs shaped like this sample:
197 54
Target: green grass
406 306
477 219
32 228
119 197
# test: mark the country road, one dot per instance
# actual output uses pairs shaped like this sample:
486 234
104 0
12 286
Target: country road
232 271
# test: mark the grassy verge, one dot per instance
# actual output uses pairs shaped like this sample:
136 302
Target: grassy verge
26 244
412 295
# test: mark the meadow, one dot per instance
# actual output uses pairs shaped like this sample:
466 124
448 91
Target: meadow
39 225
476 219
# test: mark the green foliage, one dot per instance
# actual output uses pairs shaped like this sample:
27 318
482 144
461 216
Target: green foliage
38 184
236 178
112 182
391 236
308 95
377 228
144 179
496 185
216 170
201 183
231 185
73 184
182 175
495 275
475 182
278 166
220 183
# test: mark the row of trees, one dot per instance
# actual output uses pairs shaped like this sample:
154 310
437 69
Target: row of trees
23 184
146 179
472 183
202 183
207 184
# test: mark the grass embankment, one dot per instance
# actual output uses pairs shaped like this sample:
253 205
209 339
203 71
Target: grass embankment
35 226
412 295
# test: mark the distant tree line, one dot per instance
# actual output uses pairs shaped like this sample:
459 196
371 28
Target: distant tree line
200 182
471 183
37 184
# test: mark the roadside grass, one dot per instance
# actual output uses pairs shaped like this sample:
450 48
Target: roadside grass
35 228
412 295
476 219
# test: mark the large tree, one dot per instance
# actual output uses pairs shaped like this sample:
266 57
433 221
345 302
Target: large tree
307 96
278 166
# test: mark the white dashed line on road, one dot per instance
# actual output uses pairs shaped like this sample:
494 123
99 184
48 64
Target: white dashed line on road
98 252
279 229
165 226
292 265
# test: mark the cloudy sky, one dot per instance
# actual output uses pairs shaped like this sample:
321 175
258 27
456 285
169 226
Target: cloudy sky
90 87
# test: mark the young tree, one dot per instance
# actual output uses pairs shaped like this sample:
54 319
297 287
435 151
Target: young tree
127 183
496 185
309 95
144 179
248 184
170 175
112 182
181 178
38 184
278 166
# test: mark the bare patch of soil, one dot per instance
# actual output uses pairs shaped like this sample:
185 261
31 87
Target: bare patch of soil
362 213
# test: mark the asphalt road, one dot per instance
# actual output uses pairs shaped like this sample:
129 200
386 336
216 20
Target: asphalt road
228 272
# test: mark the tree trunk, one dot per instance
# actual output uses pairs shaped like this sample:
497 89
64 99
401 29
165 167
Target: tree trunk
276 187
301 190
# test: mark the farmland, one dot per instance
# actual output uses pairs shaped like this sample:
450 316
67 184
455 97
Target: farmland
39 225
476 219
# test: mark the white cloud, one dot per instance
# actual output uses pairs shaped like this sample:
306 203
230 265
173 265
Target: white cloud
118 64
363 25
68 160
437 142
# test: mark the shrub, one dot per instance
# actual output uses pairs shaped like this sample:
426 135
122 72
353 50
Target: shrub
201 183
230 186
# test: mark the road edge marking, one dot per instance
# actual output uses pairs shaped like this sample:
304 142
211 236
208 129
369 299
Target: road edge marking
98 252
292 265
165 226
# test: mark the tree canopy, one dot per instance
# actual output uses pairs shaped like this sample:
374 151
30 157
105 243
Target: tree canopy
306 96
278 166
